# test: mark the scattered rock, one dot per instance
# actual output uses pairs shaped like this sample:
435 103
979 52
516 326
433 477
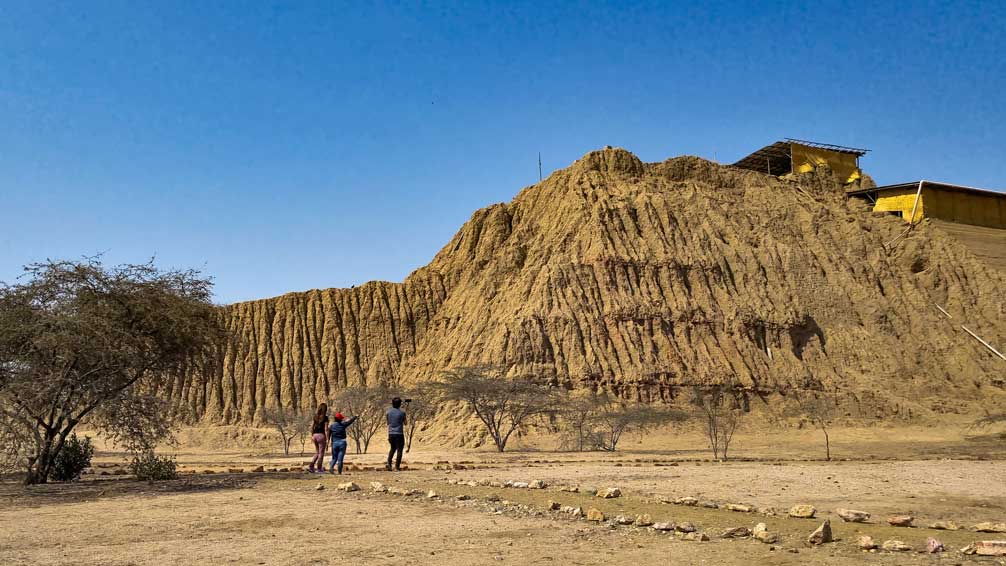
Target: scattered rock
900 520
378 487
944 526
802 511
574 511
610 493
411 492
709 505
989 548
492 498
644 520
348 486
594 514
740 508
852 516
258 469
431 494
495 484
689 501
866 543
463 497
624 519
686 527
821 534
933 545
663 526
519 485
553 505
570 489
760 532
536 484
319 487
736 532
695 536
895 546
989 527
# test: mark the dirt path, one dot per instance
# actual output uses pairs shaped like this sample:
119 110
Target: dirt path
283 519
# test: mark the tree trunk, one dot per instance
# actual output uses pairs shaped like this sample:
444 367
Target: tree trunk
827 444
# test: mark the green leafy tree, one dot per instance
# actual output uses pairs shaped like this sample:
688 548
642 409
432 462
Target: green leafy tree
82 342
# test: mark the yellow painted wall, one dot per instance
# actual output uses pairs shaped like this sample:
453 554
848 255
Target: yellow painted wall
952 206
965 208
806 159
900 201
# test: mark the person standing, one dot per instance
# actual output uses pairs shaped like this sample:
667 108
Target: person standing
396 433
319 435
337 431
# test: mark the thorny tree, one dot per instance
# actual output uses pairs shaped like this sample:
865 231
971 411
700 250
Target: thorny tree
593 421
503 405
614 418
83 342
422 407
819 408
720 414
576 412
368 404
290 424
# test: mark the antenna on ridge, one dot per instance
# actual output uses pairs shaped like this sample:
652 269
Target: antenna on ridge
539 166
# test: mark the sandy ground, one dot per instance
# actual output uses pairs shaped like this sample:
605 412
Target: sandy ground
281 518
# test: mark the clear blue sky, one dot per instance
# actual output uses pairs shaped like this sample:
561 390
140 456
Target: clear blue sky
299 145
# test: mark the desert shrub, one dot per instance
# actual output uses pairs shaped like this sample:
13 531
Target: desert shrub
73 459
151 467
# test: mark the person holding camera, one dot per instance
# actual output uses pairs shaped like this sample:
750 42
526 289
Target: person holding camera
396 433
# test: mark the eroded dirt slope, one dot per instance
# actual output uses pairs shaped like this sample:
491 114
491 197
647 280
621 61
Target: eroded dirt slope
643 278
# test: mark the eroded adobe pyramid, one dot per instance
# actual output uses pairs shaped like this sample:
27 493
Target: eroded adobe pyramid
643 278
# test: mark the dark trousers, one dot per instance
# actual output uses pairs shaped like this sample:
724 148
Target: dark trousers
397 442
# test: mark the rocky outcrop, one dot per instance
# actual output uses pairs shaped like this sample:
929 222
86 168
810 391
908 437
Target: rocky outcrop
642 279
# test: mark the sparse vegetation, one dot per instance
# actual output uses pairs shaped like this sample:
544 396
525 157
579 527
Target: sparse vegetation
73 459
290 424
423 407
148 466
368 405
504 405
819 408
720 414
590 421
81 342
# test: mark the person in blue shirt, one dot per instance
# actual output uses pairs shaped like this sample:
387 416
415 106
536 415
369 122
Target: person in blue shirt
337 431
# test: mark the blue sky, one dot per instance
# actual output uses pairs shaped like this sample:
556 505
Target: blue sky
290 146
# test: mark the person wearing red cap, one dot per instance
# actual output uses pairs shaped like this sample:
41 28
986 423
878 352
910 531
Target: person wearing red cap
337 431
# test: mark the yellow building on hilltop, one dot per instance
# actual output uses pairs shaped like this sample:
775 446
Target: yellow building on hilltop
943 201
801 156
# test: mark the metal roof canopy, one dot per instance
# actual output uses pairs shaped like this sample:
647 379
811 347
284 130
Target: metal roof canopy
775 159
914 185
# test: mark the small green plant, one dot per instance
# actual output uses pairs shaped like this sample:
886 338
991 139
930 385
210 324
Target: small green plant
151 467
73 459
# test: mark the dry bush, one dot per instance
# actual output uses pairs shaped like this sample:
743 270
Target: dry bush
720 413
590 421
502 404
422 407
290 424
368 405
